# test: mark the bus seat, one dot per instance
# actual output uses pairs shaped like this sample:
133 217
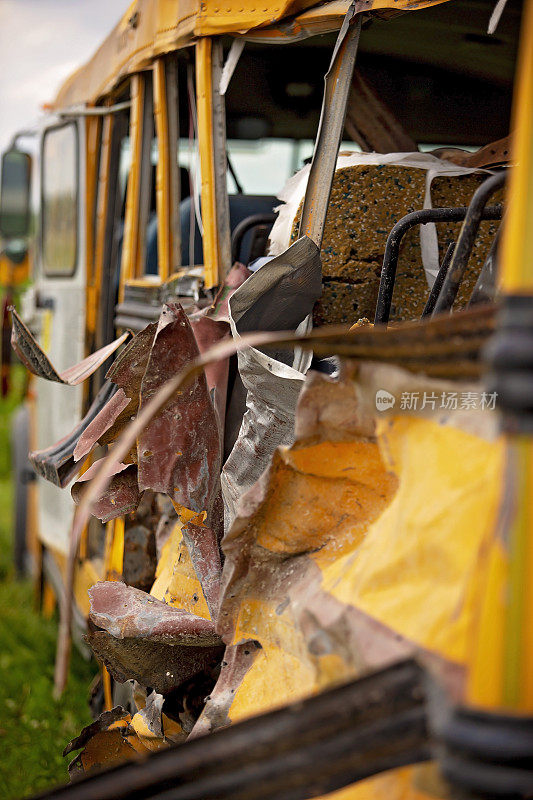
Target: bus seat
241 206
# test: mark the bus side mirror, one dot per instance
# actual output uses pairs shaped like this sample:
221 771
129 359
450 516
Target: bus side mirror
15 188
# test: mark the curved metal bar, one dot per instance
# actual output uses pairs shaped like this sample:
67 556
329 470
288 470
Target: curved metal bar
485 288
466 241
392 248
439 280
242 229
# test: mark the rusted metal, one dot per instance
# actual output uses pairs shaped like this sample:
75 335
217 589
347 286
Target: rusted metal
121 496
179 451
125 612
238 659
495 154
207 332
160 664
204 551
139 562
57 463
127 372
38 363
102 723
303 750
147 640
446 347
101 424
439 280
106 742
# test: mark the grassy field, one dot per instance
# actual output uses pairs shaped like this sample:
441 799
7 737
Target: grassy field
33 727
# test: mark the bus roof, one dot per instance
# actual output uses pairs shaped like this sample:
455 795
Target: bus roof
151 28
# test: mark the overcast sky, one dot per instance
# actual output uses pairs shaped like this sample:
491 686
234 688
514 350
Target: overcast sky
41 43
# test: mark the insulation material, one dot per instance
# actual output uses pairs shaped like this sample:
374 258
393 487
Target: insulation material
370 194
338 548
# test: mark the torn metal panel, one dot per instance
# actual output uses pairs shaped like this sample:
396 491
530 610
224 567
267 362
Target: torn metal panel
208 332
100 424
107 742
176 580
103 723
126 612
148 723
156 663
238 660
127 370
337 86
57 463
279 296
121 497
330 741
204 551
149 641
179 450
154 722
127 373
337 548
219 311
38 363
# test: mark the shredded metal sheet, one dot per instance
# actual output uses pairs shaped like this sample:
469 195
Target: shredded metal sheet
144 639
179 450
279 296
126 612
101 424
38 363
121 497
57 463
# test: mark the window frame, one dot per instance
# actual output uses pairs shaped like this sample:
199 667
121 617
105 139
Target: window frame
46 270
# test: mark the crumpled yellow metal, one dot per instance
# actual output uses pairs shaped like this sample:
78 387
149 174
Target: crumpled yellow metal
363 550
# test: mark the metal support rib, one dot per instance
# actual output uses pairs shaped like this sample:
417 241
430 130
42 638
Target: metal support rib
337 87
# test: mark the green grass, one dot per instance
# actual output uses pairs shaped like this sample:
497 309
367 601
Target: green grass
33 727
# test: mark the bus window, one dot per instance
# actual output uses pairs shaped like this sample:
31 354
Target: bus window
60 200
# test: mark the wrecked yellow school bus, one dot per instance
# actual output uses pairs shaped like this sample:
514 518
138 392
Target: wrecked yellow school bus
291 400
